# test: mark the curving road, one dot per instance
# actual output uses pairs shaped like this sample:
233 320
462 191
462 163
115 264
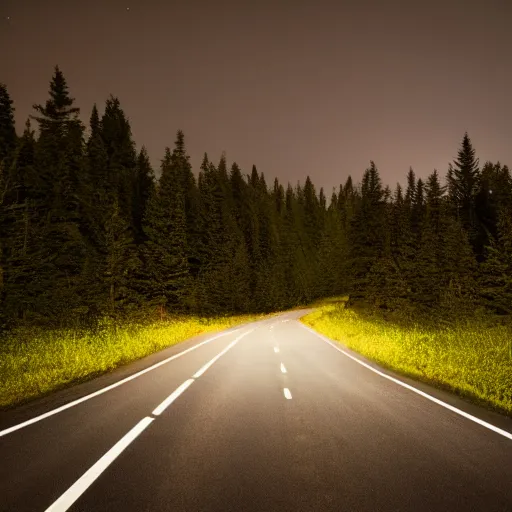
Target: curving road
265 417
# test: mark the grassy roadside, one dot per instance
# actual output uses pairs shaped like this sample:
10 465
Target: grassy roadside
472 358
34 362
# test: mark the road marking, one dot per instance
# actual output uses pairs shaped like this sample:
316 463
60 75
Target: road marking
108 388
283 369
86 480
287 394
220 354
276 349
170 399
470 417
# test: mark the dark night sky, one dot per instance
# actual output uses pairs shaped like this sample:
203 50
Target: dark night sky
297 87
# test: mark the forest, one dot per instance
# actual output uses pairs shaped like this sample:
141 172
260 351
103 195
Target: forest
87 231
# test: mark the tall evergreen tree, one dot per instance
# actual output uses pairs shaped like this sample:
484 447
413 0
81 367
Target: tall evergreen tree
463 180
367 233
225 276
164 254
121 265
8 138
59 153
20 239
143 188
192 203
496 271
493 196
121 156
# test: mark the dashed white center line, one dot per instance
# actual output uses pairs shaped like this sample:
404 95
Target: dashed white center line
276 349
283 369
287 394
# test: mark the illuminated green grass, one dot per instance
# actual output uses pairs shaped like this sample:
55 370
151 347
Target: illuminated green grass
35 362
472 358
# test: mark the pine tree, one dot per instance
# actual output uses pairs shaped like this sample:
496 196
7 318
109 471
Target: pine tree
411 189
122 263
164 257
493 196
428 280
8 138
267 269
224 278
96 207
298 268
143 188
463 179
121 156
496 271
367 233
400 257
192 203
19 237
418 212
332 253
59 158
458 268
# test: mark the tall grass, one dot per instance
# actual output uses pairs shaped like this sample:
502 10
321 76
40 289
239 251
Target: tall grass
34 362
471 357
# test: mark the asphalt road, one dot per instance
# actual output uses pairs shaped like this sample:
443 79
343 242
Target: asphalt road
281 421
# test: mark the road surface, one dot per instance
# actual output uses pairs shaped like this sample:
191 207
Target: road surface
279 421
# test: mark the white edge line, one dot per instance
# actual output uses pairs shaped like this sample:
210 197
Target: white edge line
85 481
287 393
483 423
108 388
283 369
170 399
220 354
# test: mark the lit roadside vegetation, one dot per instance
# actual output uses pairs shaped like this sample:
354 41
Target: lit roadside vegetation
472 358
34 362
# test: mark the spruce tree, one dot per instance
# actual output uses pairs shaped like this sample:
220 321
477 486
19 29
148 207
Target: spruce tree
59 159
367 233
192 204
411 189
428 280
143 188
463 179
20 236
166 277
400 256
121 157
225 276
332 253
496 271
8 138
121 265
97 204
493 196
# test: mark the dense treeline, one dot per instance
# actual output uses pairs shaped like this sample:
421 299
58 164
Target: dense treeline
87 230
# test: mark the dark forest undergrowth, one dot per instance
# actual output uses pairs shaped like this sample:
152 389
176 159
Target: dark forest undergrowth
470 356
